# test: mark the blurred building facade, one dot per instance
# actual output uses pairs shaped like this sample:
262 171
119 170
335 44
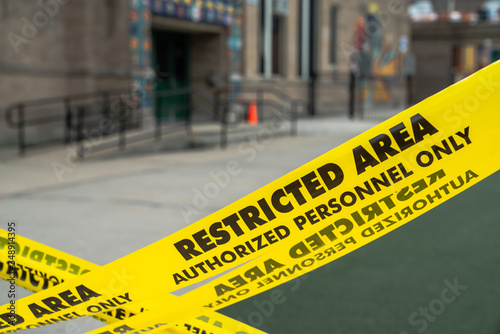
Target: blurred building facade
59 48
63 47
52 48
451 40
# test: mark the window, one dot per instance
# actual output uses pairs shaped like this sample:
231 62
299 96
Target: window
333 35
277 51
272 24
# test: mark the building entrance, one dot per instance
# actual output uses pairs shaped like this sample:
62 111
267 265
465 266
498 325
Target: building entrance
171 53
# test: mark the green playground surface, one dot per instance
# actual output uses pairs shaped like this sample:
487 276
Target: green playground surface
439 273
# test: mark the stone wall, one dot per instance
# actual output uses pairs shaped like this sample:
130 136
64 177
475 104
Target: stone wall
60 47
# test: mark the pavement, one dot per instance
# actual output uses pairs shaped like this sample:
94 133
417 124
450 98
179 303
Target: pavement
113 203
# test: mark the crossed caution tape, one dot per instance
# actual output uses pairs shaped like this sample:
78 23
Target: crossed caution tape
325 209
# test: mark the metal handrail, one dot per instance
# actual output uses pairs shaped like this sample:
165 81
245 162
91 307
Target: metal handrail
67 102
52 100
73 115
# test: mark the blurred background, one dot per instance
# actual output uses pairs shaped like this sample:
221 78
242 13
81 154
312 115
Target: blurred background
141 89
151 65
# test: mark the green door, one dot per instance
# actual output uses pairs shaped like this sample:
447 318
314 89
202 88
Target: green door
495 55
171 57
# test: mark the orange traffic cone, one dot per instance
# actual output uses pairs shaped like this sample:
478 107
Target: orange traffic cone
253 117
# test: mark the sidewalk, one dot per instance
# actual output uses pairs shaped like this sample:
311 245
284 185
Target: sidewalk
115 203
58 166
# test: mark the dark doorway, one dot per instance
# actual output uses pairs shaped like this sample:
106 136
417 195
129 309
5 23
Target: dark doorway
171 58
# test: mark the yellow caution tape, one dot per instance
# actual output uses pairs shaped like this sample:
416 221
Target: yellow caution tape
291 260
38 267
325 209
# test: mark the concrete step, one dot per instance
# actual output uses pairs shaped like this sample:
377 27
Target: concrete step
179 138
175 137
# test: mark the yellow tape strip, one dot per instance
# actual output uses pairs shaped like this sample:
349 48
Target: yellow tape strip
38 267
290 261
342 200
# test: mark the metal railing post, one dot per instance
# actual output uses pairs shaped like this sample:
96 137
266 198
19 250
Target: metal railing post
216 104
68 120
79 131
190 109
106 109
352 93
260 104
223 129
312 94
157 123
123 124
20 129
